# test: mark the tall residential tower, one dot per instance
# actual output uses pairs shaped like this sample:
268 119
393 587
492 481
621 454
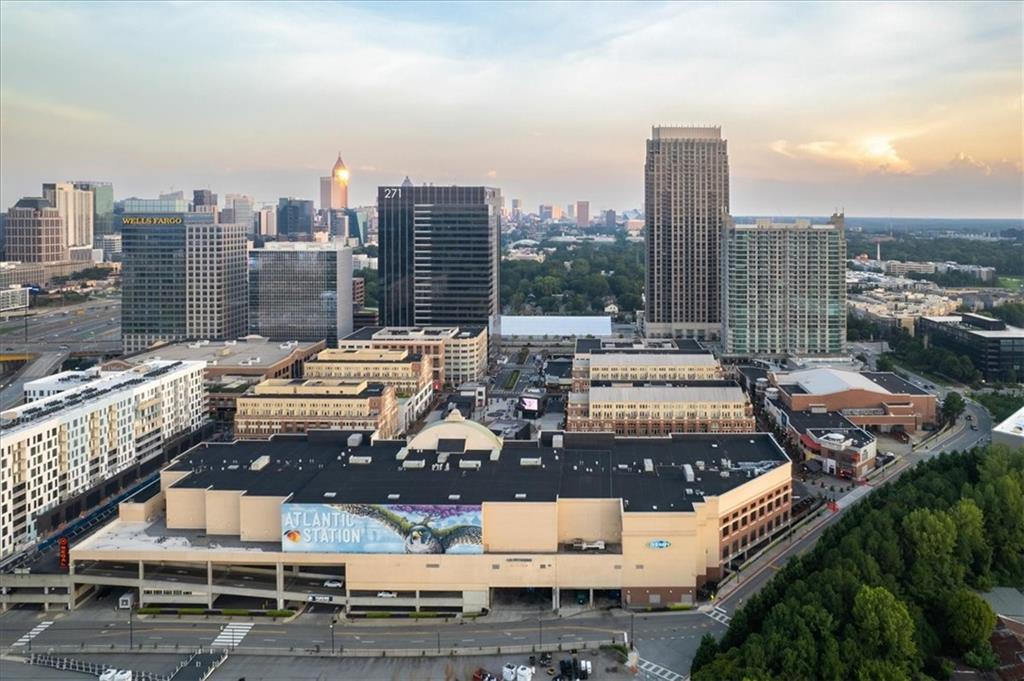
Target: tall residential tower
686 180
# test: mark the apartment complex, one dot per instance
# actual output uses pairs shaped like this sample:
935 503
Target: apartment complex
660 409
899 309
61 445
34 232
784 288
411 375
877 400
281 405
643 361
672 514
183 276
301 291
995 348
440 254
457 354
686 196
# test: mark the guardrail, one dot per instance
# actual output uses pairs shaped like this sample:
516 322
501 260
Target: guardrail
321 651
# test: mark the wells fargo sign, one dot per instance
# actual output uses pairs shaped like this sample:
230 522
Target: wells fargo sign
152 220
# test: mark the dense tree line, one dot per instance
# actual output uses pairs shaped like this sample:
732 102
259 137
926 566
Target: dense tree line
889 592
912 352
1000 405
1006 256
953 279
576 281
1011 313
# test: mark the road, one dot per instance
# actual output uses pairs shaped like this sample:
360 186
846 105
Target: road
45 364
89 326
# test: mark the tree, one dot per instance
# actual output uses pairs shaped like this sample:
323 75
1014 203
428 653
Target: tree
972 549
929 537
952 407
706 652
884 630
969 620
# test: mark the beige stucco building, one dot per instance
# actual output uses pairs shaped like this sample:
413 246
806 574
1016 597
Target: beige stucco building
457 354
660 518
281 405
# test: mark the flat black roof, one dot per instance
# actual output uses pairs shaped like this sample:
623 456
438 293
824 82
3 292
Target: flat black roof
322 468
560 368
893 383
806 420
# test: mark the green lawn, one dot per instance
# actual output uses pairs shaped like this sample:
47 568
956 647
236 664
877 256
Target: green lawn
1013 283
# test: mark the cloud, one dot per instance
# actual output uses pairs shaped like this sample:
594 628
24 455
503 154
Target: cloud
64 111
875 152
492 174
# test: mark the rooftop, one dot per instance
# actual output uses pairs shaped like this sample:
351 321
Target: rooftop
1013 425
819 424
323 468
317 388
645 358
638 346
245 353
366 355
719 391
973 328
827 381
554 325
393 333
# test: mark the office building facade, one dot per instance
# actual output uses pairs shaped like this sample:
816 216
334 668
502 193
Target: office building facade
994 347
183 276
301 291
34 232
76 207
439 255
102 206
295 218
457 354
686 194
334 187
241 211
167 203
784 288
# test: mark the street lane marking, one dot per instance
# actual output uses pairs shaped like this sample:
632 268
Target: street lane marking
651 668
32 633
719 615
232 634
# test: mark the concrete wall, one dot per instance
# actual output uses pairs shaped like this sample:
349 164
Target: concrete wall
186 508
144 512
590 519
520 527
260 518
222 512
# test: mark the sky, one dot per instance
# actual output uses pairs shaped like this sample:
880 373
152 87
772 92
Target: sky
903 110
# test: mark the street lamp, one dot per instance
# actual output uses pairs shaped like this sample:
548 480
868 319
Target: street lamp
131 630
632 630
332 637
540 632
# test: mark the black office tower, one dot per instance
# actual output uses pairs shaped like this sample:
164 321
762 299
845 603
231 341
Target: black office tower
439 250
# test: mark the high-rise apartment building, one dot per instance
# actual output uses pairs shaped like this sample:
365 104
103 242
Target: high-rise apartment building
583 213
609 219
301 291
203 197
784 288
295 217
34 232
686 178
183 276
266 221
76 207
545 212
334 187
439 255
59 446
102 205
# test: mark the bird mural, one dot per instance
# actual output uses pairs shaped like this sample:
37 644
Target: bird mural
419 537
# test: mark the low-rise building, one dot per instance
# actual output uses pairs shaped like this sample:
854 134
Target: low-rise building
899 309
233 366
994 347
877 400
64 444
457 354
412 375
838 445
452 519
14 299
653 409
608 359
1011 431
282 405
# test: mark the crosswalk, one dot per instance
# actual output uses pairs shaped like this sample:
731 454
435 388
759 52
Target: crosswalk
656 671
32 633
719 615
232 634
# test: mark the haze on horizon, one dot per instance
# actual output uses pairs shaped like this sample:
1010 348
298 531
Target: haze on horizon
885 109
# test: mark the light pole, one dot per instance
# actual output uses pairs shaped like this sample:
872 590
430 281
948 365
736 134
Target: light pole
131 629
439 641
332 637
632 630
540 632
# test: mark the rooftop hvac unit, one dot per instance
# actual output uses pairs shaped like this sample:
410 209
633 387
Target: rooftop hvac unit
454 497
648 465
520 495
724 474
700 464
260 463
688 469
394 497
495 454
557 441
402 453
360 459
530 461
689 491
442 457
355 439
470 463
414 463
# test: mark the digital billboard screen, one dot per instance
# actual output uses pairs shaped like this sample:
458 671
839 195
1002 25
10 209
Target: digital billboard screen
381 528
529 403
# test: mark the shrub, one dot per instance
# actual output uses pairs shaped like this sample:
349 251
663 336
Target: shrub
378 615
234 612
280 613
424 615
149 611
192 611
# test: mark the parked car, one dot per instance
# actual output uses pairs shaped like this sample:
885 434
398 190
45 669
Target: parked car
334 584
386 594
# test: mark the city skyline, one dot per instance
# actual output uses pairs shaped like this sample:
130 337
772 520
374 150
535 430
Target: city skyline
844 110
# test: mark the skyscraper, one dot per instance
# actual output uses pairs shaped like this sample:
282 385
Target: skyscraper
76 207
102 205
301 291
334 187
203 197
266 221
241 207
609 219
183 276
686 178
34 232
295 217
784 288
583 213
439 255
